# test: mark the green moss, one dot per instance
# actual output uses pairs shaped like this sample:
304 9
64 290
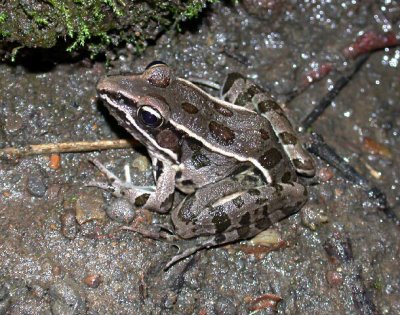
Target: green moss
3 17
91 24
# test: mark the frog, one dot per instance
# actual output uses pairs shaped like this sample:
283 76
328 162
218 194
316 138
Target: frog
236 158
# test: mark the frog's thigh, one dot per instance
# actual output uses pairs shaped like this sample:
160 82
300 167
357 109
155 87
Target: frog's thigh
238 215
300 158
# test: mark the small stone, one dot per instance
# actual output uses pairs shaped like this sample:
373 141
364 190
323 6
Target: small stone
5 299
89 207
36 184
55 161
334 278
120 210
325 174
93 281
13 122
56 270
66 297
225 306
141 163
270 237
69 226
312 217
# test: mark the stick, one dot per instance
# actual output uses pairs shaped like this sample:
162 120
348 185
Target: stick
80 146
326 101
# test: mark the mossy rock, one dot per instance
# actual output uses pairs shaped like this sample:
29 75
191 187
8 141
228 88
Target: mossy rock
88 24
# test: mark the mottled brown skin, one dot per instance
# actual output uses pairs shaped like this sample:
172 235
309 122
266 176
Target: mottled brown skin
237 159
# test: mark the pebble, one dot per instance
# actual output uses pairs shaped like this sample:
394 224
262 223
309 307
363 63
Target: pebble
89 206
5 299
141 163
312 218
69 226
120 210
225 306
66 297
93 281
36 184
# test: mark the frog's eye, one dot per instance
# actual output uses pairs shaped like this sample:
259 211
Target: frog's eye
155 63
150 116
158 74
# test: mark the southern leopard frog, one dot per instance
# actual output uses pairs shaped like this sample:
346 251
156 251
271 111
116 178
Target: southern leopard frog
236 158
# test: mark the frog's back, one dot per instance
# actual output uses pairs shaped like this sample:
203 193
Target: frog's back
229 129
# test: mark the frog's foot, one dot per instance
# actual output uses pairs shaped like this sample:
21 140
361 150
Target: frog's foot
118 187
186 250
156 232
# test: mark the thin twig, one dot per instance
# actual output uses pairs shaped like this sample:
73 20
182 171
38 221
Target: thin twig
326 101
320 148
64 147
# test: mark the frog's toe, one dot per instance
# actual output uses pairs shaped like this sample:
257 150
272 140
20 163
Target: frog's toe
110 175
183 254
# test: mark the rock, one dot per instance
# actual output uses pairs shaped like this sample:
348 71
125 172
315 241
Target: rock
89 207
67 298
36 184
120 210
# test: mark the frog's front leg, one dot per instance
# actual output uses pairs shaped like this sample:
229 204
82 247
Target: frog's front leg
224 212
158 198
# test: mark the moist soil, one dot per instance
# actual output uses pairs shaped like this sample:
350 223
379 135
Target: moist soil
61 247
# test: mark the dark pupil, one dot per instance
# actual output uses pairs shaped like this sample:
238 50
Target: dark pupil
149 119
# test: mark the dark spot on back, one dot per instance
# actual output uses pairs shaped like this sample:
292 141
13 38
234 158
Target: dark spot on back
289 210
243 232
299 204
265 211
219 238
189 108
223 110
254 192
141 200
178 174
286 177
238 202
221 220
247 179
246 97
271 158
194 144
200 160
245 219
260 201
264 134
222 134
263 224
268 105
185 213
288 138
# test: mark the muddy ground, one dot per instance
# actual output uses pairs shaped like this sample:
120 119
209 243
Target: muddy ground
61 254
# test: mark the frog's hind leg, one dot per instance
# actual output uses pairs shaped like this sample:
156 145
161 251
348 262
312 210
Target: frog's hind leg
227 211
239 90
299 157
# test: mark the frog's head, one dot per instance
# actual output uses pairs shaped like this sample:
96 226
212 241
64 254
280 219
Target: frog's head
138 103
